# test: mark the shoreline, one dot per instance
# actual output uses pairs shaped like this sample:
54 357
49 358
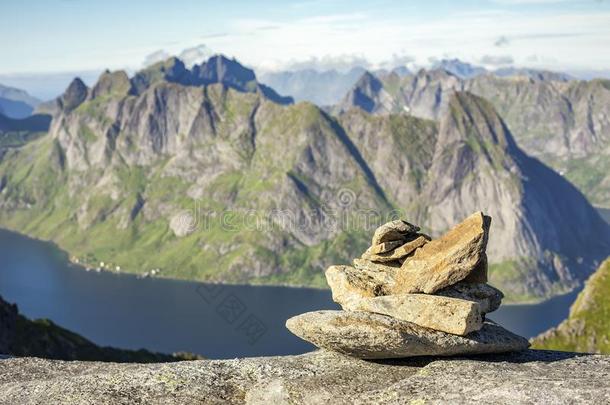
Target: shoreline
160 276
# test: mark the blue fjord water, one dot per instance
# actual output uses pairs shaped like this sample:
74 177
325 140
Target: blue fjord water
216 321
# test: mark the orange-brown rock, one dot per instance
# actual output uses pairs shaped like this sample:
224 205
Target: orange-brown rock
398 253
445 261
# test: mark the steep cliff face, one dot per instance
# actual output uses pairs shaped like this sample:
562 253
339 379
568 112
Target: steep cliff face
540 220
211 182
564 123
587 329
469 161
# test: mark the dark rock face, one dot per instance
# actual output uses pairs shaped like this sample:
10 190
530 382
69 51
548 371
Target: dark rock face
217 69
315 378
364 92
8 319
75 95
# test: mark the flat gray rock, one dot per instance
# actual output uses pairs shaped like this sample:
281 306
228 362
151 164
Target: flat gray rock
371 336
321 377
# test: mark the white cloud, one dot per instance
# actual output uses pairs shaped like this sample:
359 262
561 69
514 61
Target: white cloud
189 56
496 60
196 54
560 40
326 62
572 40
156 56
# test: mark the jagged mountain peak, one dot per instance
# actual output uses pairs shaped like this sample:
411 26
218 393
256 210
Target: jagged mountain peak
474 119
459 68
221 69
533 74
217 69
116 82
369 83
171 70
364 94
437 73
75 95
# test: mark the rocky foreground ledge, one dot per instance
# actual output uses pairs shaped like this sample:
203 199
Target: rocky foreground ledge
530 376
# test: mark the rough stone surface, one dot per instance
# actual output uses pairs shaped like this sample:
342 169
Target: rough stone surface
384 247
8 319
488 297
392 231
451 315
397 253
446 260
479 274
372 336
349 285
388 268
321 377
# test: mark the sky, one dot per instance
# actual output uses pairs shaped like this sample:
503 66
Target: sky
55 36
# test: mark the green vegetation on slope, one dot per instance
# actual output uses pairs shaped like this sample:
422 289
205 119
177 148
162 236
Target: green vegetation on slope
587 329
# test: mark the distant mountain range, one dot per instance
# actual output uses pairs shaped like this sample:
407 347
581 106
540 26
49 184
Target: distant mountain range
565 123
16 103
210 175
327 87
323 88
458 68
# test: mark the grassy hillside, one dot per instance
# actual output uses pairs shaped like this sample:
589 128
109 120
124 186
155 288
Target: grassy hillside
587 329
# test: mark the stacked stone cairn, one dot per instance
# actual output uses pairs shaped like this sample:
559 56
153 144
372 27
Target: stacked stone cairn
409 295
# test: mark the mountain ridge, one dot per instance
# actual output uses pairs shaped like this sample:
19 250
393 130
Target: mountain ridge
16 103
216 184
565 123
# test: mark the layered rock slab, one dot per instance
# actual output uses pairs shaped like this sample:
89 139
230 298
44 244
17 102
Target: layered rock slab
396 254
371 336
450 315
350 285
488 297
